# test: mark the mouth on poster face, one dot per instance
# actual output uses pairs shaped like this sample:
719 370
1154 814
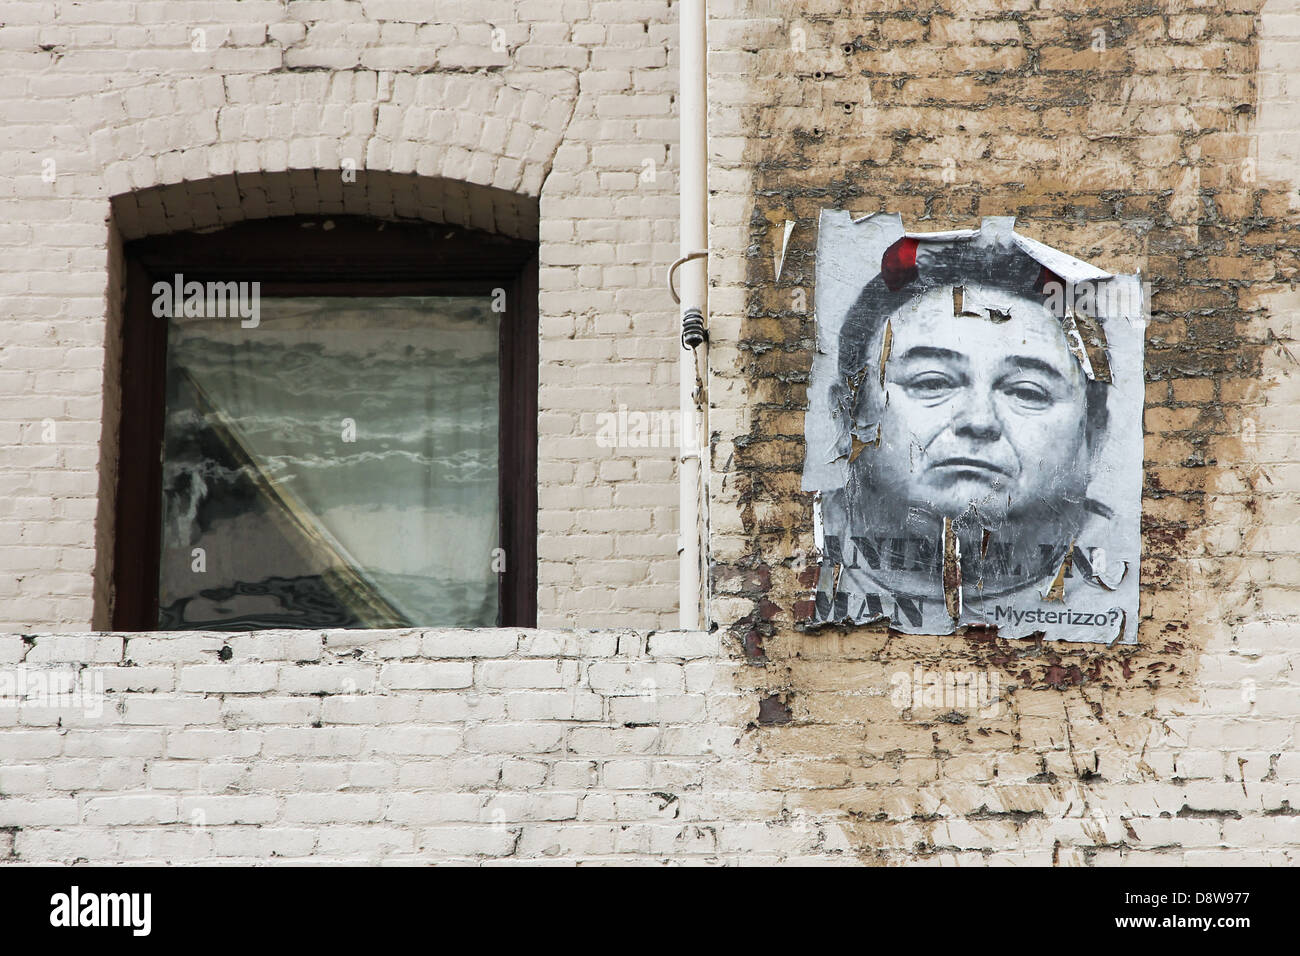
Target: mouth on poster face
958 468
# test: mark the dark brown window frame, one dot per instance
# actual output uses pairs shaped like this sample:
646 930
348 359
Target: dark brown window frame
320 255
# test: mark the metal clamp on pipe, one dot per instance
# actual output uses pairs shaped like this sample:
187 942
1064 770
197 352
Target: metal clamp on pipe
672 288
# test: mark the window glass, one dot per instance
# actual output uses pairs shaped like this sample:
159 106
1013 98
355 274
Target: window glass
335 465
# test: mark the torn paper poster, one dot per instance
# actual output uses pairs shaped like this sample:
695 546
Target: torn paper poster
974 433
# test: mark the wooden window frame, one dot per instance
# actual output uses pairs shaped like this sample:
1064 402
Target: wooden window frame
317 255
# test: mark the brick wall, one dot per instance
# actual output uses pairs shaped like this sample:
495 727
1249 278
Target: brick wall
492 747
1168 147
121 120
1157 139
467 746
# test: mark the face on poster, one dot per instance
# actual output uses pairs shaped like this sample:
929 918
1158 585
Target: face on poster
974 436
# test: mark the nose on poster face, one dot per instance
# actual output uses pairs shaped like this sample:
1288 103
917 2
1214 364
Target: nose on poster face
977 417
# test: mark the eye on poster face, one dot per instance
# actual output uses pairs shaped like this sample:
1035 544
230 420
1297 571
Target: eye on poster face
974 433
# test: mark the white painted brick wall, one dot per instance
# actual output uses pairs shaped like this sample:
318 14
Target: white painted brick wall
566 117
509 746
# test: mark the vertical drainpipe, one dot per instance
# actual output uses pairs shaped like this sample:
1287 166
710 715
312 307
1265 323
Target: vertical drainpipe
693 357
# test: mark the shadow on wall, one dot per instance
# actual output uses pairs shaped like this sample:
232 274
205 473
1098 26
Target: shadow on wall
223 200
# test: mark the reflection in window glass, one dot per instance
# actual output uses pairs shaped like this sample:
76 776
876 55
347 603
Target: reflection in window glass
334 466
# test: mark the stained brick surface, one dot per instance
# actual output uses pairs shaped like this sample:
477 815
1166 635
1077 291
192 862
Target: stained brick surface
1161 138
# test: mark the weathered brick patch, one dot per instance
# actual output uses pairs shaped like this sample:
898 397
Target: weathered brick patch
1130 137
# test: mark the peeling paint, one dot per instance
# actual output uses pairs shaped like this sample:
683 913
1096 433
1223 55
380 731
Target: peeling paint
1080 163
951 570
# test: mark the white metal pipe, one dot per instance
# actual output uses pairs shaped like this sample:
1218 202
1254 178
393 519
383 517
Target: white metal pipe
692 363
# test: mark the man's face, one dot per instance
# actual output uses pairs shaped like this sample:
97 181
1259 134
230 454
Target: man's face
977 412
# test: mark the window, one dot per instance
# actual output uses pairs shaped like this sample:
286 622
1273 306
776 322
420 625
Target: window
328 423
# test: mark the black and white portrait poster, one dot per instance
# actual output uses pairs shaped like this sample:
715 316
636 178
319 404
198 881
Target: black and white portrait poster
974 433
